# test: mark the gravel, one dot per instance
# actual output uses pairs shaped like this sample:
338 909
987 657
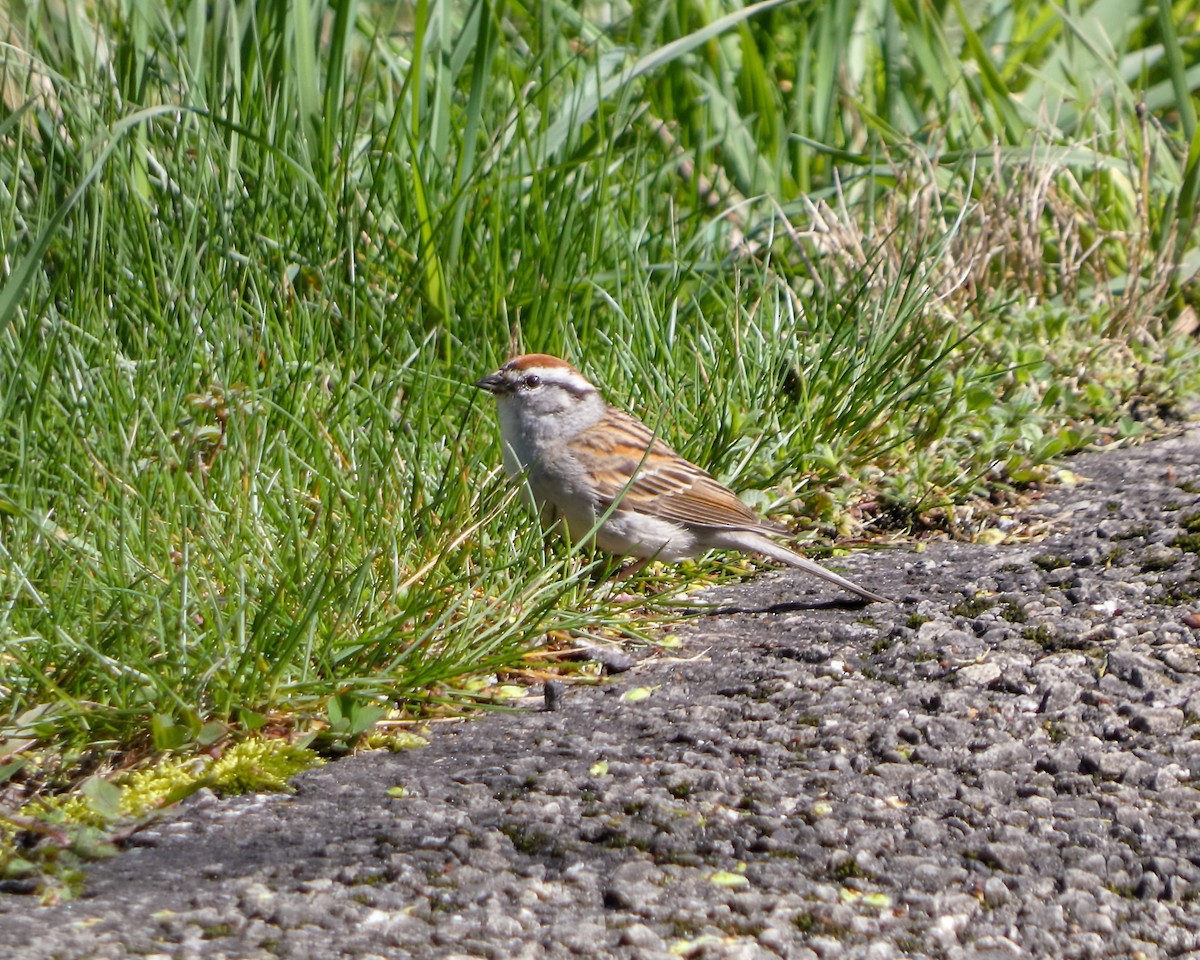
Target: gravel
1003 764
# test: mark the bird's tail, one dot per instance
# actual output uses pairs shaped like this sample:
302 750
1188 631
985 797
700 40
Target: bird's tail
778 551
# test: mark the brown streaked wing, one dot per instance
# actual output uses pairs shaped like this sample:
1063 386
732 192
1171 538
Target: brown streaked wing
665 485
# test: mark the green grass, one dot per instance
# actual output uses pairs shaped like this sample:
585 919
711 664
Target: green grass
254 257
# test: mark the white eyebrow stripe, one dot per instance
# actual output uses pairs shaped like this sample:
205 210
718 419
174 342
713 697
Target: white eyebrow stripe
564 377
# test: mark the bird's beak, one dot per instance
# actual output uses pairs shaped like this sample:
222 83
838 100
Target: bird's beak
492 383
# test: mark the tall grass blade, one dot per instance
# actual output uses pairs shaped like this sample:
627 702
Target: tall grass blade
585 100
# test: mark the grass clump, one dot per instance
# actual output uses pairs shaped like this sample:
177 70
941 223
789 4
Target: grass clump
250 263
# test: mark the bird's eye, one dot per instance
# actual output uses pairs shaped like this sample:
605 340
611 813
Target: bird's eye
531 380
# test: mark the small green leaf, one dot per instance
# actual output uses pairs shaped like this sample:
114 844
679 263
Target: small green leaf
364 716
879 901
18 867
693 948
729 880
405 741
167 733
637 694
103 797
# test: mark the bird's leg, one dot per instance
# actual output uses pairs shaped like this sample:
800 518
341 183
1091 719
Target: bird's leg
609 570
624 573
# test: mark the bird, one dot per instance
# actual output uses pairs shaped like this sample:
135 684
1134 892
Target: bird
605 475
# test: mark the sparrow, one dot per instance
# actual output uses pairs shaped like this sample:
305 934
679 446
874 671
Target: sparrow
605 475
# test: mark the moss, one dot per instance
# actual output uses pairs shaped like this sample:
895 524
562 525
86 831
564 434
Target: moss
532 842
817 924
1011 611
848 869
1050 640
247 767
1178 594
1113 557
1050 561
1187 541
369 878
1159 561
973 607
616 840
255 765
64 810
740 927
50 838
159 786
1126 892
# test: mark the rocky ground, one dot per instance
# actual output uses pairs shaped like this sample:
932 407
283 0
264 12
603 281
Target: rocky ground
1003 764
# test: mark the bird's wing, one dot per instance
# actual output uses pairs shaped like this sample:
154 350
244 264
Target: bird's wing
647 476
